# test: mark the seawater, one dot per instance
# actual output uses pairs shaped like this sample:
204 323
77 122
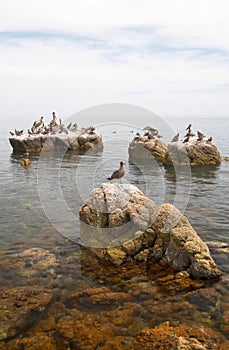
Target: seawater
32 200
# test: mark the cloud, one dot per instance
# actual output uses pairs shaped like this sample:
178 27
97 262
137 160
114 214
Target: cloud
171 57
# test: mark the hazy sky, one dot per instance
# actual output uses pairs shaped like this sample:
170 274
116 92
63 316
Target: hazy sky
171 56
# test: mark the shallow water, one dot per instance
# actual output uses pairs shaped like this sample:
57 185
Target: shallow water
39 208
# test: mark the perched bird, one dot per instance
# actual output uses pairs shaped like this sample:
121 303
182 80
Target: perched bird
137 136
117 174
18 132
189 128
176 138
153 131
53 121
69 125
11 133
209 140
29 132
200 136
75 126
39 123
150 135
186 139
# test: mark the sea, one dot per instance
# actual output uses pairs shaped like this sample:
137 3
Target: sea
39 206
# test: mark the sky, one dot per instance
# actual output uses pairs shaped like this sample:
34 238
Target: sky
171 57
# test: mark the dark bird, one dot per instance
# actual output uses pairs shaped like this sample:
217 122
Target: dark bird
189 128
200 136
117 174
209 140
137 136
176 138
186 139
18 132
69 125
11 133
75 125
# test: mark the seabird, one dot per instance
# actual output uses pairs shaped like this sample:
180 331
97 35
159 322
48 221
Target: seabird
38 123
186 139
209 140
74 125
11 133
53 121
117 174
29 132
200 136
189 128
176 138
69 125
152 130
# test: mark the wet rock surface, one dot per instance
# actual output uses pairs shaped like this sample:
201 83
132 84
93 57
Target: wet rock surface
137 305
19 307
120 224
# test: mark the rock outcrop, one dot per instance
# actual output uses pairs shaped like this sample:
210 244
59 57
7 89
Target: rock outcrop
120 224
141 147
80 140
192 153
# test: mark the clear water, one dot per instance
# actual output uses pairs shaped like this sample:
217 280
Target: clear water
65 182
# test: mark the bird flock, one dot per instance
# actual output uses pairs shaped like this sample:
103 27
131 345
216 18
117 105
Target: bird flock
192 137
39 128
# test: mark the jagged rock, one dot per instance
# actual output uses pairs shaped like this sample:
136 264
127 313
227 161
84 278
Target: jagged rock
113 216
77 140
19 306
192 153
142 147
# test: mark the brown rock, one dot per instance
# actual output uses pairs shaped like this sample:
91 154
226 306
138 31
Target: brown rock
192 153
19 306
188 337
144 148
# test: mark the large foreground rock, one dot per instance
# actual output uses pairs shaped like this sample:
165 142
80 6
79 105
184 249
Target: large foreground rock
119 224
141 147
192 153
77 140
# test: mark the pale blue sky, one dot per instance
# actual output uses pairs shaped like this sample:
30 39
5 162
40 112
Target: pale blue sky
171 57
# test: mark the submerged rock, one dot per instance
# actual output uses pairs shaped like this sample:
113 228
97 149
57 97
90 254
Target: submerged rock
80 140
19 306
141 147
192 153
120 224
